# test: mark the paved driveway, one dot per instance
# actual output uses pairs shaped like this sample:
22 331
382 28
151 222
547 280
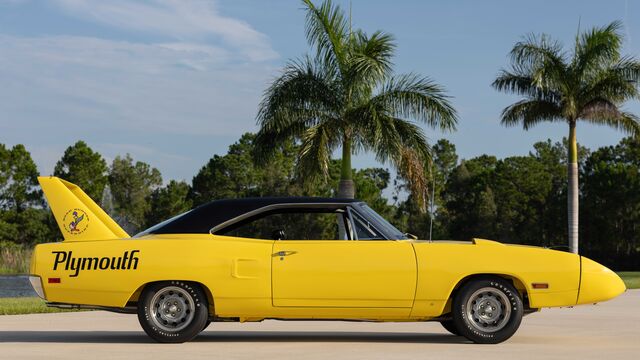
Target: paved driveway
609 331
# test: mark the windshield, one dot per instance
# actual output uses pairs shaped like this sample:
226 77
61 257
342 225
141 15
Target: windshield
159 225
386 226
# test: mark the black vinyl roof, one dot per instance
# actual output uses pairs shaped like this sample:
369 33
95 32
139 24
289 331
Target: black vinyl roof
201 219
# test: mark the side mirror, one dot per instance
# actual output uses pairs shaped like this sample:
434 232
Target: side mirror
411 236
278 234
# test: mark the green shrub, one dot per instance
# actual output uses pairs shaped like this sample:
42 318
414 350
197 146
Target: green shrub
14 258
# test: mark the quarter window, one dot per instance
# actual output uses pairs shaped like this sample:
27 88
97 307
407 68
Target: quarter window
364 229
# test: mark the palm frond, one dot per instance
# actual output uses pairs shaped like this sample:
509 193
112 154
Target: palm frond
268 141
616 83
303 92
301 97
411 165
536 50
370 58
597 47
520 83
398 141
418 98
603 112
542 59
318 143
531 112
386 135
328 30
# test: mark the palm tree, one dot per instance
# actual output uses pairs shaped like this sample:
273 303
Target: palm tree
347 97
589 84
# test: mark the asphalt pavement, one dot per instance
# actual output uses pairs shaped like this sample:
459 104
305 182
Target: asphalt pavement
608 331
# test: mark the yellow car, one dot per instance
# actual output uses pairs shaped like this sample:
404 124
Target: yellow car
298 258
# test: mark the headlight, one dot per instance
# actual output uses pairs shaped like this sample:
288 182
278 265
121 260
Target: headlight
36 283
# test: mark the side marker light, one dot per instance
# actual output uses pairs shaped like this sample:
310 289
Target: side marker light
540 285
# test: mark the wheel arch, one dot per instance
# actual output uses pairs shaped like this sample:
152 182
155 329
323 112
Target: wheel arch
515 281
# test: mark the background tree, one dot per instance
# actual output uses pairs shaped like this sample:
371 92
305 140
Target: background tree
23 218
588 85
85 168
18 180
470 201
409 215
520 188
167 202
131 185
346 97
236 174
611 190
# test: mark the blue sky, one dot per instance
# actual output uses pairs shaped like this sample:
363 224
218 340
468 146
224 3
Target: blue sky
173 82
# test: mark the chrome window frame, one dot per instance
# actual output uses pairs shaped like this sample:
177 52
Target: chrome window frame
348 219
354 235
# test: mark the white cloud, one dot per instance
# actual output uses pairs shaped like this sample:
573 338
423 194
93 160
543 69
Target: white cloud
171 88
59 89
188 91
184 20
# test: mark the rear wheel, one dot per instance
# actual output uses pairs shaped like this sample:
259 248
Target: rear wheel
487 310
173 311
450 326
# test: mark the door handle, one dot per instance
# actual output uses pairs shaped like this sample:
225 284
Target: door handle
284 253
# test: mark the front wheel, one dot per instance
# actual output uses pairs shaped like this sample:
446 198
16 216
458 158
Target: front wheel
173 311
487 311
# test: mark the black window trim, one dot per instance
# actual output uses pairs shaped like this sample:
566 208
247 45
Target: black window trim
347 217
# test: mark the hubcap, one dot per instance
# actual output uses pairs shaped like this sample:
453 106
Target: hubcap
488 309
172 309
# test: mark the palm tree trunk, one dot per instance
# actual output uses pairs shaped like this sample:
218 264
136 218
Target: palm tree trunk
573 196
346 188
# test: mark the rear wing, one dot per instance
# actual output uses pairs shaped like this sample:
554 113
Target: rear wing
78 217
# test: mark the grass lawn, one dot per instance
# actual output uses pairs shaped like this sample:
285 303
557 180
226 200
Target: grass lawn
631 279
25 305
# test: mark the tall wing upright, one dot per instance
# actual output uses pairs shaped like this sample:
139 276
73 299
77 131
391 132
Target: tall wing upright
78 217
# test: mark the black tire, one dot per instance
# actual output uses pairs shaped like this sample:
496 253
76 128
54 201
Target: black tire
487 310
173 311
450 326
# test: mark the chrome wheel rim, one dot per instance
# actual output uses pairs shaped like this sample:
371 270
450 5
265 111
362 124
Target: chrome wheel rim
488 309
172 309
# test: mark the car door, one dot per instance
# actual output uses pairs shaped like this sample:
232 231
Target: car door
364 271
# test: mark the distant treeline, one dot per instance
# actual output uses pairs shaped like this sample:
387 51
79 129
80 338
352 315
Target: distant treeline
519 199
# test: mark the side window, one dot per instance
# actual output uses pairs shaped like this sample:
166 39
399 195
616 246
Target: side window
363 228
300 225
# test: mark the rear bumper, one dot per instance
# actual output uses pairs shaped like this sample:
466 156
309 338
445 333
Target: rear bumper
36 284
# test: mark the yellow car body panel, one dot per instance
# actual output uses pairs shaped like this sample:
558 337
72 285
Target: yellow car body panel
352 274
253 279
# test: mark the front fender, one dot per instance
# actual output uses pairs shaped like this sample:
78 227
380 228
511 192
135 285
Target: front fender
442 266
